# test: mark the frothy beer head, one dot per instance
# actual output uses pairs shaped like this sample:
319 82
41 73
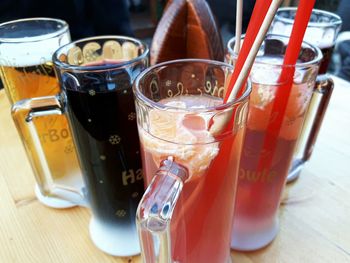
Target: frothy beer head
321 31
313 35
30 42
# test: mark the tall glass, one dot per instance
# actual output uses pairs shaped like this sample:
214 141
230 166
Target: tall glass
96 75
191 144
322 31
26 48
274 123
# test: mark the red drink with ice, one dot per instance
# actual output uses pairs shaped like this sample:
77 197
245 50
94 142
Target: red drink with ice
263 171
322 31
260 186
180 127
200 224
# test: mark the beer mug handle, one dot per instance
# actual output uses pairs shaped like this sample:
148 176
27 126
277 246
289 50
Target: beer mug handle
313 120
23 114
155 211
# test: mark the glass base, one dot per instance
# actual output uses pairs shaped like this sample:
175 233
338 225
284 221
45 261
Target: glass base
294 172
52 202
119 241
249 241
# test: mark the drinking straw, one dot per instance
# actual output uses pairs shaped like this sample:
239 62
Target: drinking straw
257 28
263 13
239 11
286 78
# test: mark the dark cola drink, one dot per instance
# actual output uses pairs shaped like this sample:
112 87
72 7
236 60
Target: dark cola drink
322 30
327 55
102 117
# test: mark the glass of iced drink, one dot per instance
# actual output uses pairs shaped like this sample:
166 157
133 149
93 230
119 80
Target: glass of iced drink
322 31
26 69
191 145
263 169
96 76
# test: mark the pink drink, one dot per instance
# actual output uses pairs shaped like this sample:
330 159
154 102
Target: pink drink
203 215
260 185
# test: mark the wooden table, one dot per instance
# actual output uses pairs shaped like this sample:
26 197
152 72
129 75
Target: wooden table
315 217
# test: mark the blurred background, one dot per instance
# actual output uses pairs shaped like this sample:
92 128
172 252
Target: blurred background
139 18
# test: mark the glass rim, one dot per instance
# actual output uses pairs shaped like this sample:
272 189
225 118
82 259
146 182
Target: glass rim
55 33
310 63
57 62
221 107
336 22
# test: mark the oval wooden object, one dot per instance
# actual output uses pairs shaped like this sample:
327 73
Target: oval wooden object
187 29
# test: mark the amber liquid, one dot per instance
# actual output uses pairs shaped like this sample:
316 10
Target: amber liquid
53 131
29 82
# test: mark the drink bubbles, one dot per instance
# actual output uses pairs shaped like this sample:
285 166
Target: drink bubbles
181 135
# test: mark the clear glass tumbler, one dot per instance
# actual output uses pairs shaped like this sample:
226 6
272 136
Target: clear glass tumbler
322 31
275 119
27 71
96 76
191 145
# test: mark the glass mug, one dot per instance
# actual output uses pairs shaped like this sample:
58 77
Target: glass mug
26 48
96 75
263 169
322 31
191 144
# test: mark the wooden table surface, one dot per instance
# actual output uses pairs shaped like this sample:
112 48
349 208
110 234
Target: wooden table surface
314 218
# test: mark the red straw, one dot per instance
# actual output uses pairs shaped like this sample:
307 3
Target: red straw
259 12
260 21
282 94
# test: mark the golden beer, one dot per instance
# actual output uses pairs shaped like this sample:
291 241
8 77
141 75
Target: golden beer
29 82
27 72
53 131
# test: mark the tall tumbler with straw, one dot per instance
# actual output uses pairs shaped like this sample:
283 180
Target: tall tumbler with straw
277 108
263 169
322 31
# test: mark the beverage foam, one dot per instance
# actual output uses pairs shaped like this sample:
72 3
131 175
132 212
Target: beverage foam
181 134
30 53
320 37
268 70
266 74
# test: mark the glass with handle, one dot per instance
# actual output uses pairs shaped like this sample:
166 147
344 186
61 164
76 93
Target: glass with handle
322 31
191 145
267 150
95 76
26 68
